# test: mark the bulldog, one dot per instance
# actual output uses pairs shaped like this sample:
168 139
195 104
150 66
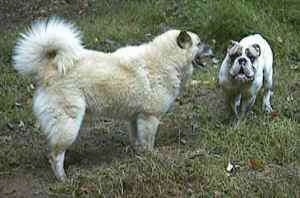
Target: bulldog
247 68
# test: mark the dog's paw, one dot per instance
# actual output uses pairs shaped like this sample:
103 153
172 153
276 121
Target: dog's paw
139 149
236 123
268 109
57 167
61 177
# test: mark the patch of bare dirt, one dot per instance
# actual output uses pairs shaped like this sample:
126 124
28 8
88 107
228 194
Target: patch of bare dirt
14 13
16 186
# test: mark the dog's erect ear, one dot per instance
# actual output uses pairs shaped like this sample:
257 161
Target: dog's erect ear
255 50
233 47
184 40
232 43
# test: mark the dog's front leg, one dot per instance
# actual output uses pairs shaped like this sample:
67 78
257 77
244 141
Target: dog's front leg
246 106
146 130
249 104
133 132
236 105
233 101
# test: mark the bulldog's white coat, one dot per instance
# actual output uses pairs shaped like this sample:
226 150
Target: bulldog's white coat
241 89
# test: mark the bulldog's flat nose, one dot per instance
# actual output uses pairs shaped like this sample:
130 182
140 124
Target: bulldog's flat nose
241 70
242 61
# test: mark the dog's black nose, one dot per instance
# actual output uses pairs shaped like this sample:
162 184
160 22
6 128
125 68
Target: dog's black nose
242 61
241 70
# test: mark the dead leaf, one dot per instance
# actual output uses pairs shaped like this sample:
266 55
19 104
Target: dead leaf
256 164
275 115
87 188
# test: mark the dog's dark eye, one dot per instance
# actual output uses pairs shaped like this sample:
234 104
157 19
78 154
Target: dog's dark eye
234 56
252 58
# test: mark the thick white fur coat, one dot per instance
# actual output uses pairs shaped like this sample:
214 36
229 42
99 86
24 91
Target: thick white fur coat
134 83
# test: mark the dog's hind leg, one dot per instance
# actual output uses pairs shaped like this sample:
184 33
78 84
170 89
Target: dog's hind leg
146 130
60 118
63 136
268 86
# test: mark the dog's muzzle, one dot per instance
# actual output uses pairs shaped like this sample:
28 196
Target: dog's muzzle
198 61
242 70
244 75
204 54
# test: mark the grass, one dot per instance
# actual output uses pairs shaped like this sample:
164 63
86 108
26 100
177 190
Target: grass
195 141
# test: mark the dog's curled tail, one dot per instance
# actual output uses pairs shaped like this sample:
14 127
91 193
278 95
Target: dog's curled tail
52 41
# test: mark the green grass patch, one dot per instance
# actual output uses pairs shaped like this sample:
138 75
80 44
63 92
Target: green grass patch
195 141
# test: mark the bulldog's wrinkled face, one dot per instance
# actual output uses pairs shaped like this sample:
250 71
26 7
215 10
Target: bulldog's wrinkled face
243 61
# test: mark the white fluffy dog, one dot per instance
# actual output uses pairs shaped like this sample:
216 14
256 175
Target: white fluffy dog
135 83
245 69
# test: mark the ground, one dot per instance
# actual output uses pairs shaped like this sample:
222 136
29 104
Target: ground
196 141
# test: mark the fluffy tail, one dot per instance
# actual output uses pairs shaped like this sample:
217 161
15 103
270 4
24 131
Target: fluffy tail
51 41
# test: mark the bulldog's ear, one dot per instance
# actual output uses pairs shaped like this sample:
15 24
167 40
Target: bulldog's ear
184 40
232 42
256 50
232 47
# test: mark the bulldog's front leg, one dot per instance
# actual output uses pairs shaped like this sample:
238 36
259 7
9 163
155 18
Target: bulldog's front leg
246 106
233 101
236 103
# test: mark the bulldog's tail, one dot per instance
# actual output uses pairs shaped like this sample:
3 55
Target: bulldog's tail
52 41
